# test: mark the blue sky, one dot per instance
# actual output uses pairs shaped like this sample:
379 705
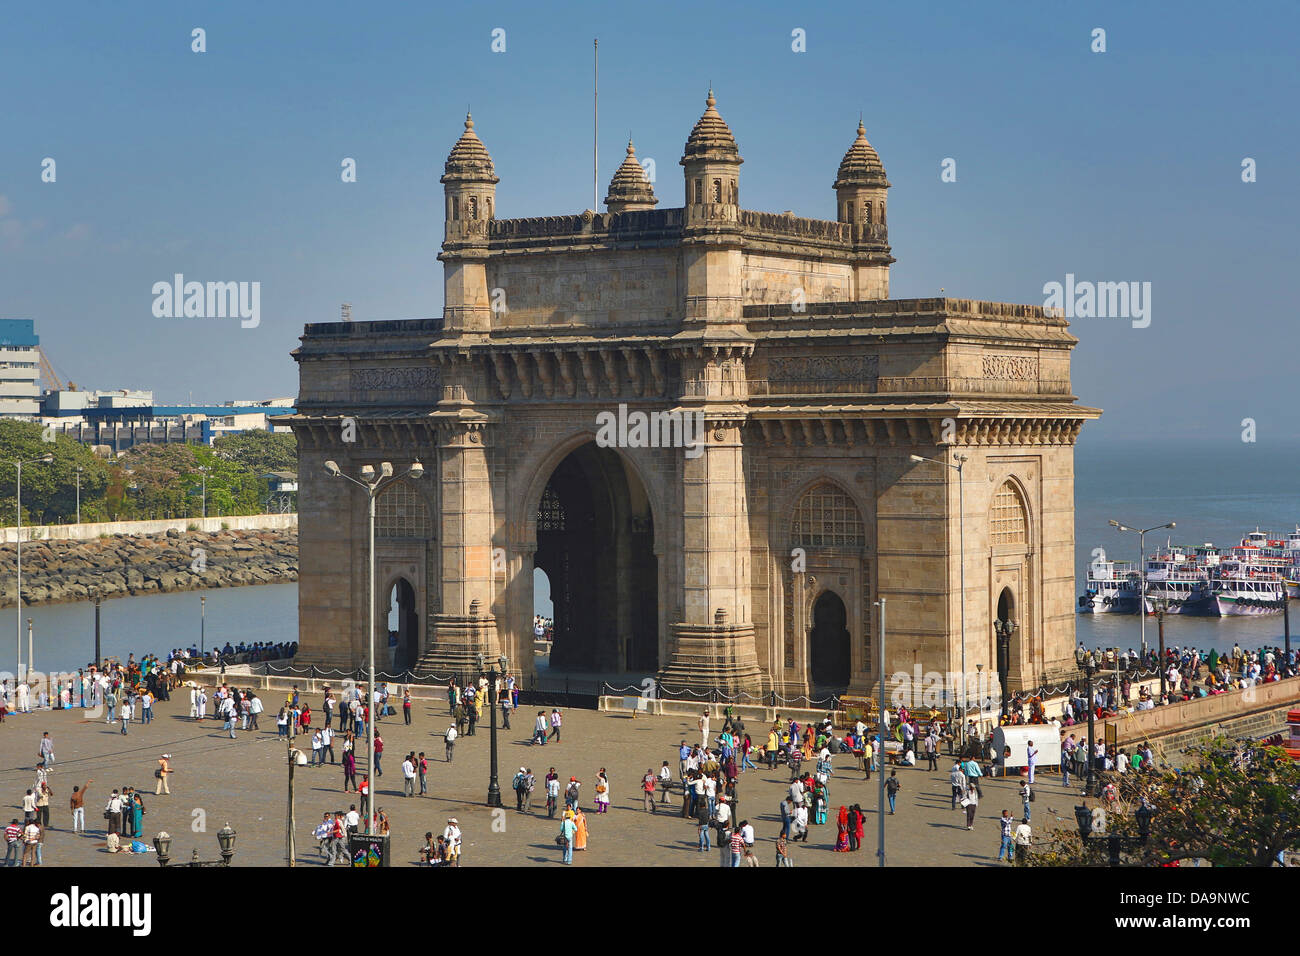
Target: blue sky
1115 166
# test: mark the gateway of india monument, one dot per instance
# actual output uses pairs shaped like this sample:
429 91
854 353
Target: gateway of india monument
750 560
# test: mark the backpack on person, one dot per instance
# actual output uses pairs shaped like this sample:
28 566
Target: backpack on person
518 782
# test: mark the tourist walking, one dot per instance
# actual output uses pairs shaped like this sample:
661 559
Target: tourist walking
423 767
349 770
892 786
1026 797
326 744
539 729
971 803
556 721
406 705
46 752
602 792
957 780
1005 824
568 833
379 752
783 851
408 776
450 739
161 773
552 793
1032 760
452 835
125 714
1023 838
648 790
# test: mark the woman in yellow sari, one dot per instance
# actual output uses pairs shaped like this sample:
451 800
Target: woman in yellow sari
580 837
807 742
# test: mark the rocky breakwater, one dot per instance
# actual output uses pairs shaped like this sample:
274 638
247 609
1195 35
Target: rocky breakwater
118 565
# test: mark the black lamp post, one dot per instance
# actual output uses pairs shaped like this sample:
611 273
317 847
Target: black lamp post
225 839
1114 842
1087 663
494 787
1004 630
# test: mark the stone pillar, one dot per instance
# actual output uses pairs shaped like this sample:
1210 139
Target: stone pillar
714 645
465 627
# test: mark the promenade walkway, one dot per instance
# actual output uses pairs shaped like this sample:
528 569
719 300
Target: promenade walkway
244 782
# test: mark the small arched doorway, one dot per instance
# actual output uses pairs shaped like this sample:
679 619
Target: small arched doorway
829 651
403 625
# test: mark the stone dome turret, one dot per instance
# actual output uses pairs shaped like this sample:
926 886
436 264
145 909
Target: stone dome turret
861 165
469 160
711 138
630 189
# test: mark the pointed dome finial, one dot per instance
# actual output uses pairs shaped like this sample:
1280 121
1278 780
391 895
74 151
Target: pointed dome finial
631 189
469 120
710 102
469 160
711 136
861 165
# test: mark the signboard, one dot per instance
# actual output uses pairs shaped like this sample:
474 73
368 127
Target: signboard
1112 740
366 849
858 708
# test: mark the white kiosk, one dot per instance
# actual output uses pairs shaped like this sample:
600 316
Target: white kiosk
1046 738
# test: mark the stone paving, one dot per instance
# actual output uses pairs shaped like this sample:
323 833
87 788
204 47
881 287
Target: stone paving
244 782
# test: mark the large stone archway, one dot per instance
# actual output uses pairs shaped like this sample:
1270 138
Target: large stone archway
595 542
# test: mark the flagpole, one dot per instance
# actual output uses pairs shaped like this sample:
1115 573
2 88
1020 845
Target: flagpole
595 123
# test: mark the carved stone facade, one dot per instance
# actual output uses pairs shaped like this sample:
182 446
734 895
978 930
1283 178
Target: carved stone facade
755 556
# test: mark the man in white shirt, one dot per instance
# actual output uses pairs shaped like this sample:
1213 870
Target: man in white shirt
722 817
747 833
1022 839
326 744
408 777
452 836
665 780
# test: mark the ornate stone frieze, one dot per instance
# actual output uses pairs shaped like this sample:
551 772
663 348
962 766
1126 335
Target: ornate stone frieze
1011 368
395 384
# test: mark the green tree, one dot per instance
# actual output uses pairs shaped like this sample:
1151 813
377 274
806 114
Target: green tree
49 490
261 452
1235 804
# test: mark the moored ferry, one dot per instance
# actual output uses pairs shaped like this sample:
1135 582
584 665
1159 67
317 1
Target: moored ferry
1112 586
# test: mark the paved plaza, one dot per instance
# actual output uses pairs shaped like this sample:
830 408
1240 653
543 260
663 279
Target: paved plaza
244 782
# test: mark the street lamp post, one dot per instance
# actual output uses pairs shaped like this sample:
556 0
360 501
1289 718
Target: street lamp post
1004 630
880 736
373 484
961 535
494 787
1114 842
162 843
1142 571
1087 662
79 469
18 600
296 759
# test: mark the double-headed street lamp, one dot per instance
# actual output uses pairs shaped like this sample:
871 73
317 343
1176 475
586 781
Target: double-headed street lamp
18 501
225 839
961 523
1004 630
1088 663
373 484
494 788
1142 570
1114 842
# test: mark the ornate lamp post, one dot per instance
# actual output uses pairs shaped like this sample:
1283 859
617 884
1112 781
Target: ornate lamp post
1004 630
494 787
1087 662
1114 842
225 839
373 485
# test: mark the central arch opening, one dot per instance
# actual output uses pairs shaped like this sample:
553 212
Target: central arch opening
829 657
595 543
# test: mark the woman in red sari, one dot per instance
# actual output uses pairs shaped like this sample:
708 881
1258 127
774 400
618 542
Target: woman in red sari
842 839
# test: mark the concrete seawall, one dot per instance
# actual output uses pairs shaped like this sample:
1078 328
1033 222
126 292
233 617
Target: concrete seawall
90 531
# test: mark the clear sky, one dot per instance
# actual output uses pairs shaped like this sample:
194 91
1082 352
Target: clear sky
225 166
